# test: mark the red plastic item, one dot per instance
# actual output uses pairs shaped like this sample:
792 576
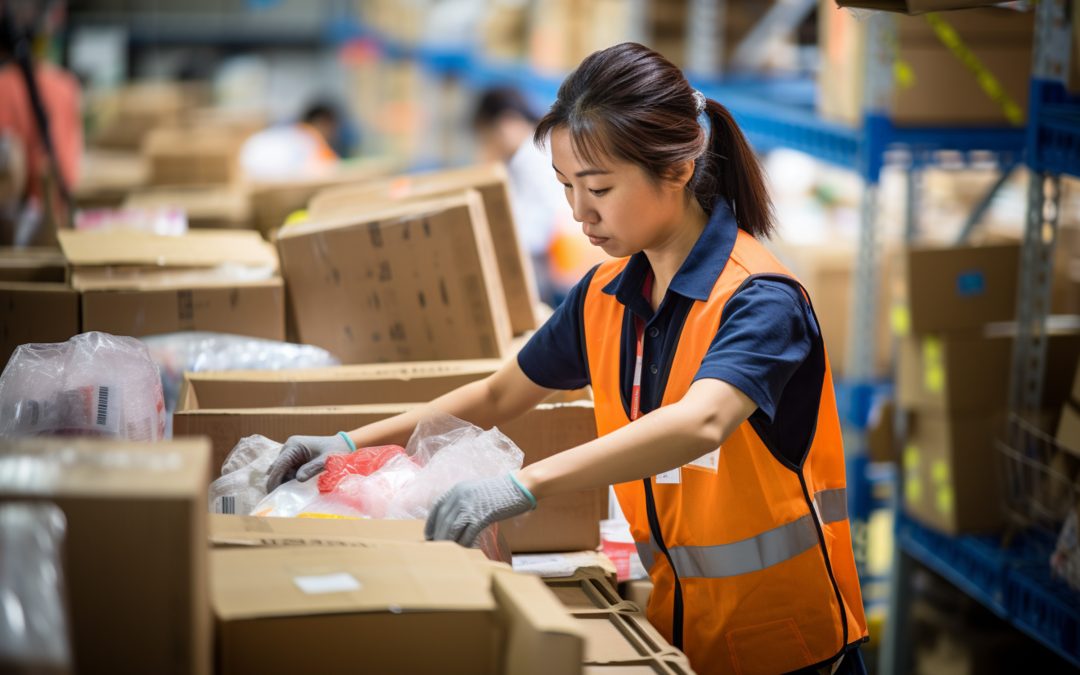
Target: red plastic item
363 462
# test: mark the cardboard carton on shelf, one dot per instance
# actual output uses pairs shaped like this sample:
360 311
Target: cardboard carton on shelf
936 86
961 288
107 177
515 268
135 546
374 605
122 119
568 522
950 466
414 281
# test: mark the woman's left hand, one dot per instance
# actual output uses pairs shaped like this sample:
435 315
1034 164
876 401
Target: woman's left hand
468 508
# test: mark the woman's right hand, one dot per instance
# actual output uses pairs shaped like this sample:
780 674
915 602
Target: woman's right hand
305 456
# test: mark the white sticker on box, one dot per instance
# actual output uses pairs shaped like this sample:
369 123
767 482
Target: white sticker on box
673 477
340 582
709 462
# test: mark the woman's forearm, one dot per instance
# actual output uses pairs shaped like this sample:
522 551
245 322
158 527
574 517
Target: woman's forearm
666 438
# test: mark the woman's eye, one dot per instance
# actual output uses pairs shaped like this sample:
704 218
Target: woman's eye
567 186
600 193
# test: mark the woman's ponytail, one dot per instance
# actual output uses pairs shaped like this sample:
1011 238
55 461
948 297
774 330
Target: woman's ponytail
729 169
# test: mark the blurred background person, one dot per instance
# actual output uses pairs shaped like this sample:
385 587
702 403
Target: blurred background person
26 28
504 123
300 149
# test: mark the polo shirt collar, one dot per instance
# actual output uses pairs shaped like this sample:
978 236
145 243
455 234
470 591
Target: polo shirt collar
698 273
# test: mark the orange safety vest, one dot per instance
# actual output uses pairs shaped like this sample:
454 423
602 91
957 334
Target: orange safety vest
750 556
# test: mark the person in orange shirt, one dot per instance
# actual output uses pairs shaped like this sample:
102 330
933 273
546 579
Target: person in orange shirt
58 91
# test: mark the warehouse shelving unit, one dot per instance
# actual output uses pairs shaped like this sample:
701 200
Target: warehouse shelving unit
1014 580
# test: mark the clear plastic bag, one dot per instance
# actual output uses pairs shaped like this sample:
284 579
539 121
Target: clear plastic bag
95 384
33 623
242 484
177 353
442 452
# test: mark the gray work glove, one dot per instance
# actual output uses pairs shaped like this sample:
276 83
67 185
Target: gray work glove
305 456
469 507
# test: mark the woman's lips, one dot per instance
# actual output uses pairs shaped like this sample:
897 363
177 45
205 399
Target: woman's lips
596 241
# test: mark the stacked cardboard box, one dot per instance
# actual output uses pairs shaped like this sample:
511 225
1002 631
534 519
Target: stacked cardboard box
223 207
137 284
408 281
134 549
122 119
934 85
953 381
515 269
325 402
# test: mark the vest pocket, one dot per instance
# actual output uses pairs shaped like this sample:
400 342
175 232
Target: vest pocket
773 647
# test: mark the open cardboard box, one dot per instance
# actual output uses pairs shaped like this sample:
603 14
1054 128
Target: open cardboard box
568 522
490 180
414 281
391 608
134 550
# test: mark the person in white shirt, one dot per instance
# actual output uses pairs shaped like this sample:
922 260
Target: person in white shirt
504 124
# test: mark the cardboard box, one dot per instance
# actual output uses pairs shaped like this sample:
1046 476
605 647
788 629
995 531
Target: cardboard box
230 530
206 207
372 605
36 312
107 177
1068 430
935 86
32 265
256 309
135 546
950 472
417 281
122 119
969 372
179 156
515 268
569 522
962 288
367 384
110 253
273 201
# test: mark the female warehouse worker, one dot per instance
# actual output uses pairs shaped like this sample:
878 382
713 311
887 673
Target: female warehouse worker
713 393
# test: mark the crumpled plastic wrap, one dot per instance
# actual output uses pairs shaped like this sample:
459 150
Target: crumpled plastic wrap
33 620
243 476
177 353
1065 561
95 384
442 452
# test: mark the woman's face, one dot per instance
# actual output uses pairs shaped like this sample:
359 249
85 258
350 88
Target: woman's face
620 208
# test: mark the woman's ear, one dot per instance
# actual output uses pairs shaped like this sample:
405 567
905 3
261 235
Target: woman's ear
684 171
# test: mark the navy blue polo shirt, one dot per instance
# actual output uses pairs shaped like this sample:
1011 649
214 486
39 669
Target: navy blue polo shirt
765 346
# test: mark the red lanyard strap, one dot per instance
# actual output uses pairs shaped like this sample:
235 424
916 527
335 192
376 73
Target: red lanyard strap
639 325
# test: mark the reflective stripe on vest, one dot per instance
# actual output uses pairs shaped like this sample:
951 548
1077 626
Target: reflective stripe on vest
756 553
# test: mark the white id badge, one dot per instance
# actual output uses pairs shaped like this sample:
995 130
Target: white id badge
673 477
709 462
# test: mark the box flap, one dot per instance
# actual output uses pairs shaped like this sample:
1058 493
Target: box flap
366 371
387 409
198 248
278 582
41 467
112 279
370 212
541 637
255 531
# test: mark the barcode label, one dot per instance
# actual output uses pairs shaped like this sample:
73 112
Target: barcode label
103 406
228 505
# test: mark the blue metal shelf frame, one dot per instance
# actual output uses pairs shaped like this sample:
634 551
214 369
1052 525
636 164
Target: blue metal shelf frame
1014 583
1054 131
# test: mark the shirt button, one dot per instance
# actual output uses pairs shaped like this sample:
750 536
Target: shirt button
653 369
654 332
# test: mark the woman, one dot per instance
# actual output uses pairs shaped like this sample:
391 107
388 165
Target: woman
714 399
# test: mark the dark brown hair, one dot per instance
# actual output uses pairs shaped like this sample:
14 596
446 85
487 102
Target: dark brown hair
630 103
